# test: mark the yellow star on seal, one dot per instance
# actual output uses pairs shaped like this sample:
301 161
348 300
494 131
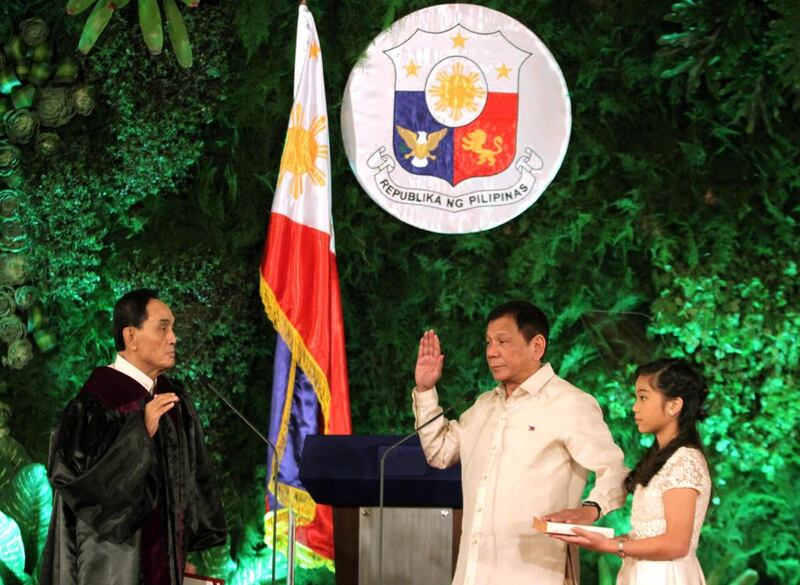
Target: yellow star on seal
503 71
459 41
411 68
313 51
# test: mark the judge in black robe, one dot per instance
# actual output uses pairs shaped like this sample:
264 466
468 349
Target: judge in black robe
128 506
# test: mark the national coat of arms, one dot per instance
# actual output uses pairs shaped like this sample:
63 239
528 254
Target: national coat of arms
457 119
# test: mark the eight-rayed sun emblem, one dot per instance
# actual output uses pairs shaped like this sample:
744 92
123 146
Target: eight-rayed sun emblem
456 91
302 150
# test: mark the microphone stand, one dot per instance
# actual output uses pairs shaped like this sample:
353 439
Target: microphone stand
381 481
275 458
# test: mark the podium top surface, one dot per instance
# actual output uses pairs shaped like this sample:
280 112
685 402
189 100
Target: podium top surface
344 470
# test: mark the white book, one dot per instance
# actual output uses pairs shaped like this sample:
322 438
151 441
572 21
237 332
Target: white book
562 528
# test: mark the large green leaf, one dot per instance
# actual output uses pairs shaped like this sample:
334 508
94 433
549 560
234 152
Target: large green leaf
30 506
749 577
216 561
257 570
605 575
12 454
12 552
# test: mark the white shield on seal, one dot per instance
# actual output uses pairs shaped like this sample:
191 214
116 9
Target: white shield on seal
473 128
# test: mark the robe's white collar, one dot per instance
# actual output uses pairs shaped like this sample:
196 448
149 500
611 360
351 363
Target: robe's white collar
123 366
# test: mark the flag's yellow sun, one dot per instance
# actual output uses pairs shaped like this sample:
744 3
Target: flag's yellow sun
302 151
457 91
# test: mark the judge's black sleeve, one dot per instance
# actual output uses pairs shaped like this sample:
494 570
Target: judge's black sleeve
105 467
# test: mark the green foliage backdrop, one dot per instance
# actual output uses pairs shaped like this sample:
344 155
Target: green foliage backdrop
670 229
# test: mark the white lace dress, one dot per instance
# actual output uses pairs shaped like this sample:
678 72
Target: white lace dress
686 468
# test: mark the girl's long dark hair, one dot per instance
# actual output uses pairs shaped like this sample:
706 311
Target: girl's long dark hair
674 378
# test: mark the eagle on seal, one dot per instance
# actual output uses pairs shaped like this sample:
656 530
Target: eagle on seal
421 144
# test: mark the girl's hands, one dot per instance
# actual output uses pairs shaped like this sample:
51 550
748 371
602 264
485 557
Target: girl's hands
589 540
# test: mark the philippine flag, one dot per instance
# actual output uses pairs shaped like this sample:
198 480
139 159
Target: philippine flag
300 290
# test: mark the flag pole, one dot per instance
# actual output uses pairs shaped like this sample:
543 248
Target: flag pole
290 553
292 529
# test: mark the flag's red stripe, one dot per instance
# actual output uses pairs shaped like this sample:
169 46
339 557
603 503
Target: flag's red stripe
318 536
300 268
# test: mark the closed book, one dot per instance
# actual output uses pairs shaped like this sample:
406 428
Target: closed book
562 528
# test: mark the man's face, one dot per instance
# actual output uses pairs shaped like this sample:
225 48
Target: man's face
153 344
511 359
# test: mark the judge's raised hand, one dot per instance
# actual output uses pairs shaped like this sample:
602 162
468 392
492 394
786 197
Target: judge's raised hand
429 361
154 410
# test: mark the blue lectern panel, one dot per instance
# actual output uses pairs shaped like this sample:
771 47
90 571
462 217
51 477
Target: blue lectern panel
343 470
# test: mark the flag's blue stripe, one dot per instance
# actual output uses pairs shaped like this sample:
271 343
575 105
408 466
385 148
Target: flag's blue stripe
304 420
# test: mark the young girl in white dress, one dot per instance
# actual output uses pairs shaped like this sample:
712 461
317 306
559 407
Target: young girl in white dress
671 485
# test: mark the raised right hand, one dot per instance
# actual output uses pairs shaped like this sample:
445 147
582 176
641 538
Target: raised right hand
154 409
430 360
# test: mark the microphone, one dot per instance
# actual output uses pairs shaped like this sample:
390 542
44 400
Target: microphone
381 481
275 458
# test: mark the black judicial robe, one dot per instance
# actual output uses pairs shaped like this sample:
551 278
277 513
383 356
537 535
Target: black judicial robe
127 508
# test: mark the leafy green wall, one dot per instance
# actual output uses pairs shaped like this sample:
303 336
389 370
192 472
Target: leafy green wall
670 229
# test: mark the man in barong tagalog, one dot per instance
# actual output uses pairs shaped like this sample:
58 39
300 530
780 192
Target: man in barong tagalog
134 489
526 450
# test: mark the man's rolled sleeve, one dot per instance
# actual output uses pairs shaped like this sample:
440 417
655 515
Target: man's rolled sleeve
440 440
